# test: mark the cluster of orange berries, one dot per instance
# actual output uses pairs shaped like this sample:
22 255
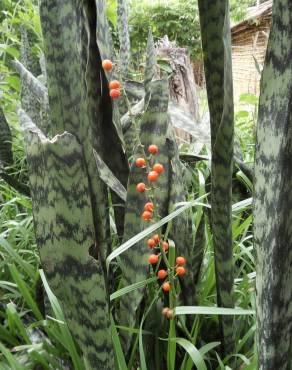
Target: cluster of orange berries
179 270
147 215
152 176
114 86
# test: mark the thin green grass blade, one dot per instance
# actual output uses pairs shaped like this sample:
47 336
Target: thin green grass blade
17 258
68 340
204 310
15 365
194 353
119 355
130 288
25 291
128 244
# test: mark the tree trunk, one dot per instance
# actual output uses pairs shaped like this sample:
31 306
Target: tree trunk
182 86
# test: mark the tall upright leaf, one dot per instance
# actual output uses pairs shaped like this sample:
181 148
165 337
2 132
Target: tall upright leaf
273 197
124 37
79 98
215 31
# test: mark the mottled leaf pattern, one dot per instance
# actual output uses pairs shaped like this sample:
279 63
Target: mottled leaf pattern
79 99
109 178
6 155
32 83
65 233
124 37
30 102
134 262
169 189
273 197
215 31
150 66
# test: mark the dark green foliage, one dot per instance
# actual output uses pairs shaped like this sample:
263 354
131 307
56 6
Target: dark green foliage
273 197
216 43
6 155
180 21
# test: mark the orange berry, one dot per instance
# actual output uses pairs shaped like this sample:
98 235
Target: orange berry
147 216
166 287
153 259
158 168
151 243
180 261
161 274
114 85
180 270
165 246
141 187
152 176
149 207
156 237
140 162
165 311
153 149
115 93
107 65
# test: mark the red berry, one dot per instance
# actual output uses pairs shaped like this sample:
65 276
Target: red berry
147 216
153 259
115 93
153 149
141 187
166 287
140 162
180 270
165 246
107 65
156 237
158 168
151 243
149 207
114 85
153 176
180 261
161 274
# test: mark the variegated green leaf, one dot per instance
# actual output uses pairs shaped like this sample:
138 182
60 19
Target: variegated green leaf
79 98
150 66
109 178
124 37
6 155
216 43
273 197
34 104
32 83
65 233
